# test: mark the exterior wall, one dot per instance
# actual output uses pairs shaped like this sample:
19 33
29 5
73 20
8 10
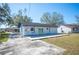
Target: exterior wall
64 29
26 30
22 31
53 30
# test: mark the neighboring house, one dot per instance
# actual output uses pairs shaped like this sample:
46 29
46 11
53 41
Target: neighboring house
12 30
3 27
64 29
68 28
37 29
7 28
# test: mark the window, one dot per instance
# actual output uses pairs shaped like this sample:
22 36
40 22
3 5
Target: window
16 30
32 29
47 28
42 29
62 30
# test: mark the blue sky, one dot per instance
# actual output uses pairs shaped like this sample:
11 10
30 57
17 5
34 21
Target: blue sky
36 10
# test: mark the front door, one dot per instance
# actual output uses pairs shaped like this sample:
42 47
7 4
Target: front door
40 31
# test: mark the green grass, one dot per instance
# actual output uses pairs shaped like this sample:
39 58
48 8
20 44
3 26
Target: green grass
70 43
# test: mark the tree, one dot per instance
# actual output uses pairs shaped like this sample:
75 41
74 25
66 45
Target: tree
21 18
54 18
77 19
2 15
5 11
6 8
46 18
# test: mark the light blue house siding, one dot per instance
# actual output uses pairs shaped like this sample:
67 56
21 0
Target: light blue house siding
41 29
35 30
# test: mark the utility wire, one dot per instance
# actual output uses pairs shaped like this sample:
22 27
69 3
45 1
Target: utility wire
29 6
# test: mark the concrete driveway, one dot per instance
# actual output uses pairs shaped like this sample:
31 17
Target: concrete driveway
24 46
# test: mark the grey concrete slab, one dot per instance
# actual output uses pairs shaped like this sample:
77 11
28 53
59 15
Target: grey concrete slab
24 46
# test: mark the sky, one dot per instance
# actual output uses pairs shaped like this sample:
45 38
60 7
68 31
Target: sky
36 10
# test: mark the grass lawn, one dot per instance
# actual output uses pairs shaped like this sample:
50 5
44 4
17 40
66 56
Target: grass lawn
70 43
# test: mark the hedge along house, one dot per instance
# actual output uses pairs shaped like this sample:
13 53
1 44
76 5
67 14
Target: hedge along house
37 29
68 28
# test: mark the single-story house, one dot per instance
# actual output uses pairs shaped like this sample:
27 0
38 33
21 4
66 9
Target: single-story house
41 29
38 29
68 28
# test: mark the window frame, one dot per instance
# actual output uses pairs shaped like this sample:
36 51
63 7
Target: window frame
32 29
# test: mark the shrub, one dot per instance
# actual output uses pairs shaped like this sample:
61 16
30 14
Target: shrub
4 36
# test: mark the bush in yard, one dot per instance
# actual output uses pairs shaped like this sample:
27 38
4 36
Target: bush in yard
3 36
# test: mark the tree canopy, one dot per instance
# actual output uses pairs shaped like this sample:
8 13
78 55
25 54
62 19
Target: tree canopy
5 16
54 18
21 18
